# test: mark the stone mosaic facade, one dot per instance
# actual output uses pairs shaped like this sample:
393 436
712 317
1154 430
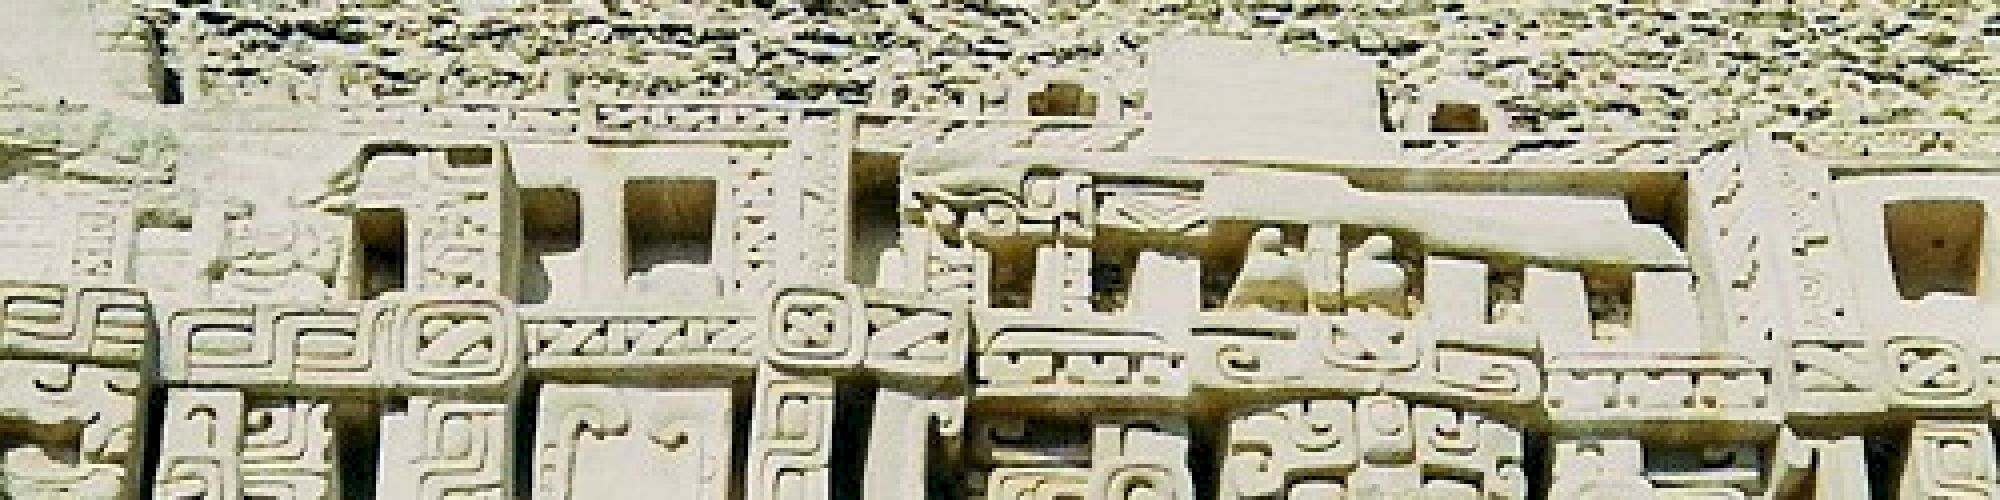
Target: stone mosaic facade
998 249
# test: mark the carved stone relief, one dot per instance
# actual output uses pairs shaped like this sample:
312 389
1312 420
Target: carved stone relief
566 249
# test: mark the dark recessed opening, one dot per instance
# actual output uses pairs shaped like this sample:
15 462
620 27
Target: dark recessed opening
668 221
551 224
1608 291
1222 260
166 80
382 240
1111 277
1114 262
1013 276
1062 99
1457 117
57 441
1885 455
469 156
943 458
1506 284
357 427
1934 246
853 417
875 185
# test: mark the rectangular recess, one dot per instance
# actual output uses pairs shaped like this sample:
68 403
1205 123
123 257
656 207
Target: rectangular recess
383 246
551 224
668 221
1935 246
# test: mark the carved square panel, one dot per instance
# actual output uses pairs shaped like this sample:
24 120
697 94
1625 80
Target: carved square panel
1931 372
455 342
816 328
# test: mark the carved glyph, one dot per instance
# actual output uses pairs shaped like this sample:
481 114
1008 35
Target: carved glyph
449 449
100 460
622 442
221 444
464 340
1375 447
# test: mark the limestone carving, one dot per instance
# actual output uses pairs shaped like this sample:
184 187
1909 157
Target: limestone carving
219 445
619 442
449 449
1004 249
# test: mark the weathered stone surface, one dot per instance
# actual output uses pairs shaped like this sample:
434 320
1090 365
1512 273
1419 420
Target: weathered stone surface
780 250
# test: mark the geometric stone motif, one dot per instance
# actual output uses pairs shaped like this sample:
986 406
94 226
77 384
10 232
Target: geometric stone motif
795 250
620 442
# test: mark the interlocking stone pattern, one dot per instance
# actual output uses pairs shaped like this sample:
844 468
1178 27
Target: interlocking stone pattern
999 249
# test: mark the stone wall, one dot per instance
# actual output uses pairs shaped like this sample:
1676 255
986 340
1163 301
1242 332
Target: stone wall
594 249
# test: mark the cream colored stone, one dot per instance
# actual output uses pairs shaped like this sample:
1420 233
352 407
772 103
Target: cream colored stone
1022 249
619 442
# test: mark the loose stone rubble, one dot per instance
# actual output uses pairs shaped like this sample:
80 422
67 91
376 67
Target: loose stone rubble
998 249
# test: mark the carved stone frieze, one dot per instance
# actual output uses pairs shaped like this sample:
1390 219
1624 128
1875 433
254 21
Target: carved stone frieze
1006 249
